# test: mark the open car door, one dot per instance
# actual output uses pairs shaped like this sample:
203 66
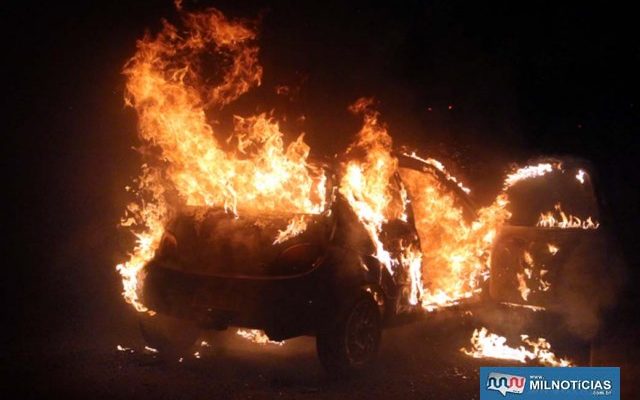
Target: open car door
555 254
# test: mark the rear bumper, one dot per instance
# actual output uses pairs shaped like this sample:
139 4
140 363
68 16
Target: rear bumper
282 307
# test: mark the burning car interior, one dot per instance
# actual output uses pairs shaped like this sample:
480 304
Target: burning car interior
238 231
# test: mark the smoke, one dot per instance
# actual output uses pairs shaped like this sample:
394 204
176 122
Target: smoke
590 285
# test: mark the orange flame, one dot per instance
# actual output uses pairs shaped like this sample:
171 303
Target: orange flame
166 87
296 226
489 345
366 183
170 96
148 219
440 167
559 219
454 254
530 171
257 336
533 274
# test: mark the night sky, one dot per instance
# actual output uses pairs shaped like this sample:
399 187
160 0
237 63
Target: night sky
479 84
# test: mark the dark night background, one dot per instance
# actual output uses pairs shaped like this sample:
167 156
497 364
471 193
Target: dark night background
522 79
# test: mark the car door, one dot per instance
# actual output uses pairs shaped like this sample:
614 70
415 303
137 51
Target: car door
554 253
442 216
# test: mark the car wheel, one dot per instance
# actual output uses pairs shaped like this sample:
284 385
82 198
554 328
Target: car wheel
352 343
172 337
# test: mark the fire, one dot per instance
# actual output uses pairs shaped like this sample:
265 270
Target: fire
257 336
580 176
530 171
543 284
489 345
533 274
412 258
440 167
252 171
296 226
151 349
149 218
124 349
165 86
453 254
523 277
559 219
366 183
522 287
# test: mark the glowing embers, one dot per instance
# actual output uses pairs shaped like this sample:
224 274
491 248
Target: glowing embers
559 219
485 344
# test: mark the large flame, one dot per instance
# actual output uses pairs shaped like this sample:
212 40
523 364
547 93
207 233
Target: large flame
455 253
170 96
167 87
367 179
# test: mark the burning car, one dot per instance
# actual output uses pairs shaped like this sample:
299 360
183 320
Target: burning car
286 274
293 274
250 232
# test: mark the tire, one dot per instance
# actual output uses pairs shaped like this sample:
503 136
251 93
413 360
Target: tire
351 344
172 337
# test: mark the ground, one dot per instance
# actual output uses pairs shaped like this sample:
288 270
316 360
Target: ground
417 361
